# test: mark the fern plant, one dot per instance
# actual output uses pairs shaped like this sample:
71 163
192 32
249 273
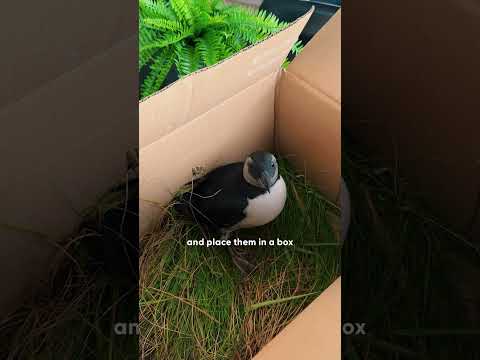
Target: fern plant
192 34
296 49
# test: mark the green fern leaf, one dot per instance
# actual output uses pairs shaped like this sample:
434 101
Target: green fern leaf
196 59
205 6
145 37
168 39
145 57
235 41
252 25
187 59
158 72
191 34
285 64
155 9
218 5
163 24
206 21
240 22
182 11
297 47
211 47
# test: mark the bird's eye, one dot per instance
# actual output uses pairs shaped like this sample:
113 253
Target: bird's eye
273 164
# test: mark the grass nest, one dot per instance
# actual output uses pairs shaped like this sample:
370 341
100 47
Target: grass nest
414 279
195 304
92 286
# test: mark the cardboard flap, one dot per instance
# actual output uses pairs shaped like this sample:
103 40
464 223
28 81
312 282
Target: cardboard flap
309 93
202 90
314 334
319 64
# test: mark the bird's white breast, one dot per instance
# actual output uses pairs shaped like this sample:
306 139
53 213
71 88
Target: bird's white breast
266 207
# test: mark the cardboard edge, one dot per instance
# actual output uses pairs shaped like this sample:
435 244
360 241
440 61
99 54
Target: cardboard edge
328 32
300 340
291 103
191 122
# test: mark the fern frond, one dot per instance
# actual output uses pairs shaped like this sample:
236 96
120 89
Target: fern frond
163 24
235 41
191 34
199 6
211 47
168 39
144 57
240 21
158 72
182 10
187 59
207 21
297 47
251 24
155 9
285 64
268 23
218 5
145 37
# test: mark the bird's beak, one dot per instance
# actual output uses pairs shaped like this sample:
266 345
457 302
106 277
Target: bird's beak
265 182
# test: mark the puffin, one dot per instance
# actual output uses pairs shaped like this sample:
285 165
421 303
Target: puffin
236 196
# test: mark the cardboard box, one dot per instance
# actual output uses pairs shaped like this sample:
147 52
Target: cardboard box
246 103
314 334
253 105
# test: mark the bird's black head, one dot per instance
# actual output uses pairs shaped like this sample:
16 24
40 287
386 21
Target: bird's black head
261 169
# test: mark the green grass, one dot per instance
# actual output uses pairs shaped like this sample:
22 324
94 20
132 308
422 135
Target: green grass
194 303
409 277
73 314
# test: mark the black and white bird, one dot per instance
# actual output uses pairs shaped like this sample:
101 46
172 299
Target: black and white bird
238 195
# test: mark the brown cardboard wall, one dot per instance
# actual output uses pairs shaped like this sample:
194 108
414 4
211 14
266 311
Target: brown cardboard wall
307 109
312 335
66 144
225 134
403 103
313 149
70 32
55 135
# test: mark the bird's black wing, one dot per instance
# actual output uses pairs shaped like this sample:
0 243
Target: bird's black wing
220 198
